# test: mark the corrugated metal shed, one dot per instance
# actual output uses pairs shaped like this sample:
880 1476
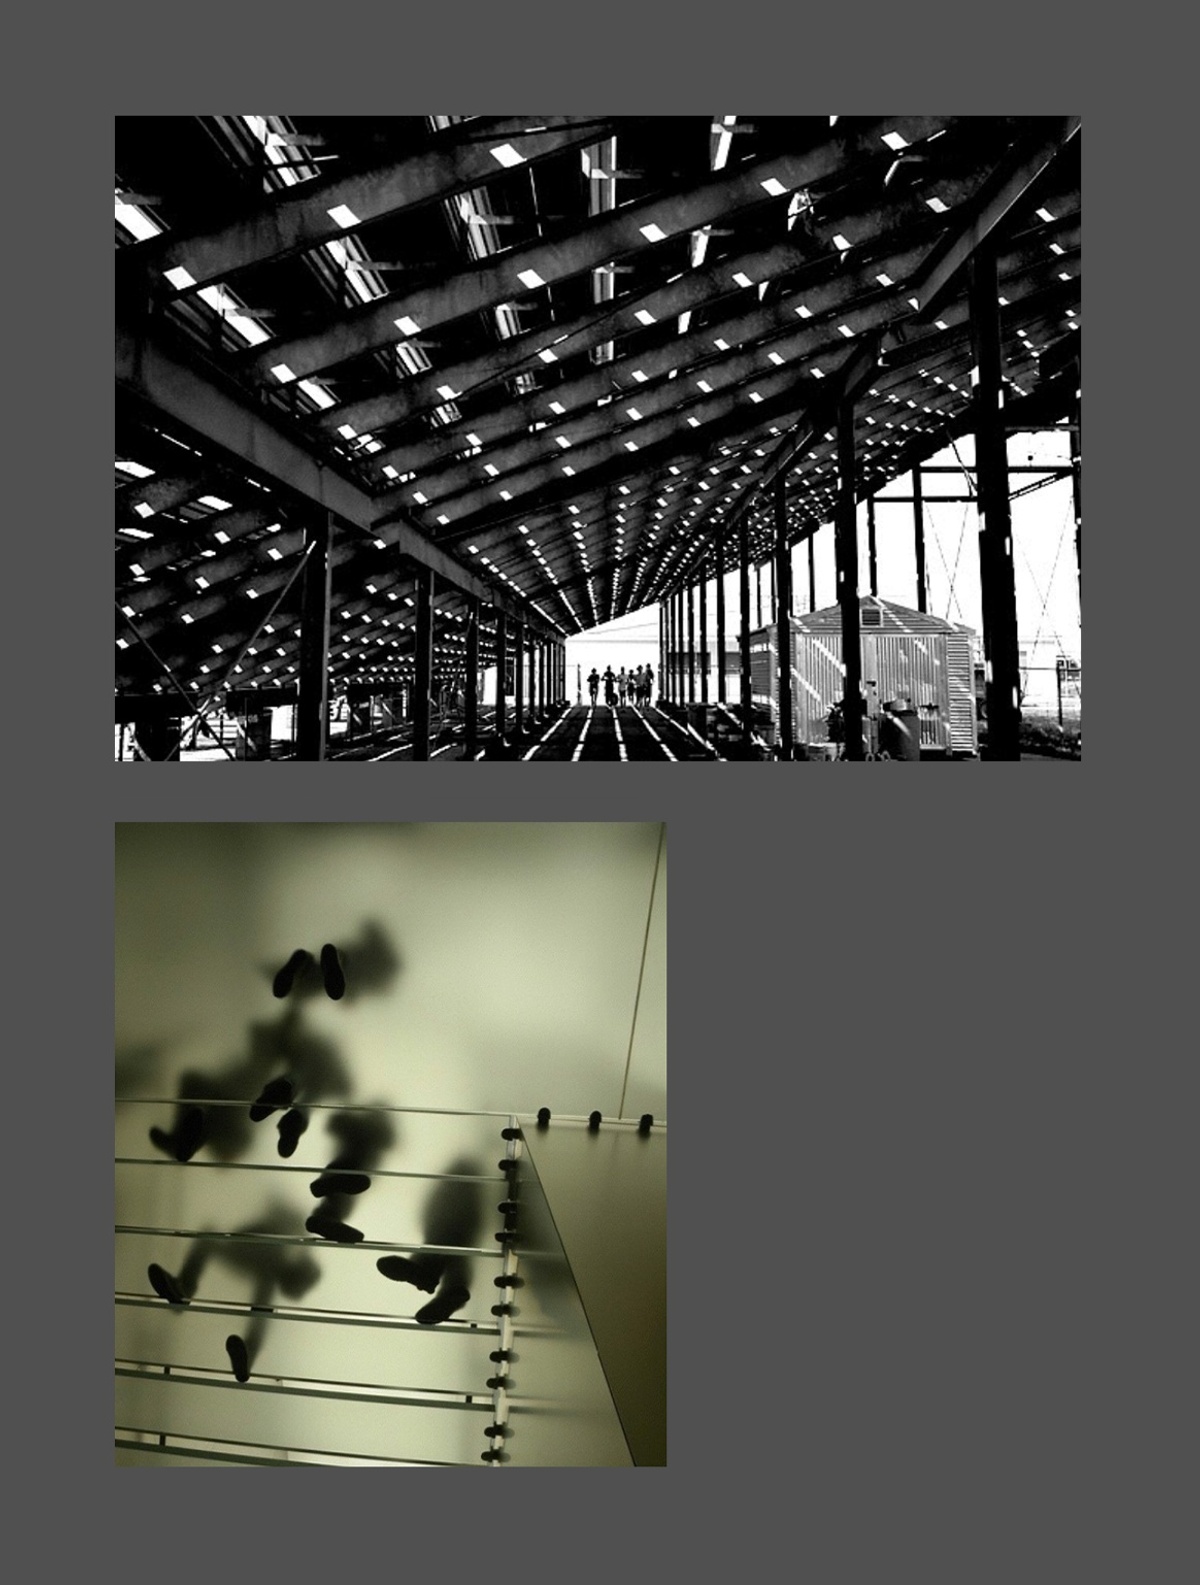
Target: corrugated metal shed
905 654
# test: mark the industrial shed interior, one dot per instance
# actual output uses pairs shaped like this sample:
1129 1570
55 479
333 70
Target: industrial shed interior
406 404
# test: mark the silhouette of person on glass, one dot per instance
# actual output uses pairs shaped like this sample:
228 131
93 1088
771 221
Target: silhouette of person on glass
271 1267
453 1216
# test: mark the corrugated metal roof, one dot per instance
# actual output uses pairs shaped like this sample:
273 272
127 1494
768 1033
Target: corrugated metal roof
875 616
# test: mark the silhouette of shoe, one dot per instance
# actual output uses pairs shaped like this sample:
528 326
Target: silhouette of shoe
163 1141
165 1285
444 1306
189 1136
291 1126
331 968
287 974
339 1183
401 1270
238 1357
330 1227
274 1095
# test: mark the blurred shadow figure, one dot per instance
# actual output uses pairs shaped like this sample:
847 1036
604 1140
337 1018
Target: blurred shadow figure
312 1069
308 1061
364 1137
454 1216
371 962
271 1267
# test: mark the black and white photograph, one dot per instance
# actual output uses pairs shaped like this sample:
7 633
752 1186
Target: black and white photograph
390 1144
598 438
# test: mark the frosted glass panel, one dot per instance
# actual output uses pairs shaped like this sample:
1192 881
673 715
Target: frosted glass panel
384 1352
320 1421
487 966
372 1140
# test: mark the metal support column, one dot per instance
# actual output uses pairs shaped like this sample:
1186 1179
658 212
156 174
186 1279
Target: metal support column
783 625
664 631
720 560
919 532
471 721
501 664
1077 484
744 638
423 681
676 649
703 591
996 580
662 645
518 680
313 701
812 571
846 550
691 644
871 571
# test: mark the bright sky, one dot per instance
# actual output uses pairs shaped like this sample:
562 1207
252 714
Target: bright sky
1048 619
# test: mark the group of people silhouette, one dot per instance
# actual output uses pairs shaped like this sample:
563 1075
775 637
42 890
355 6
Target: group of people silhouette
623 687
453 1214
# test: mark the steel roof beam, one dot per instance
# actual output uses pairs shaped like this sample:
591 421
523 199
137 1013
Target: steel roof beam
299 218
663 411
897 382
1002 191
596 242
684 353
931 288
148 370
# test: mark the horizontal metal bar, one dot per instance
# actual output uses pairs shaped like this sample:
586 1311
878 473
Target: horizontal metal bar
222 1383
176 1449
305 1240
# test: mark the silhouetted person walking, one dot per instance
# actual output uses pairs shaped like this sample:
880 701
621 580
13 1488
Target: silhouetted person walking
453 1216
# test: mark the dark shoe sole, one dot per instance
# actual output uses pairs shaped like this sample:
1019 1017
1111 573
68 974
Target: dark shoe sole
329 1227
443 1307
189 1136
274 1095
291 1126
397 1269
165 1285
163 1141
238 1357
285 979
331 968
339 1183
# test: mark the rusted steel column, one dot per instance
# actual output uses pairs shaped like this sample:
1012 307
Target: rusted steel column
501 662
996 579
744 641
703 591
783 626
423 680
720 560
313 699
471 719
518 680
919 532
691 645
1077 482
846 547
